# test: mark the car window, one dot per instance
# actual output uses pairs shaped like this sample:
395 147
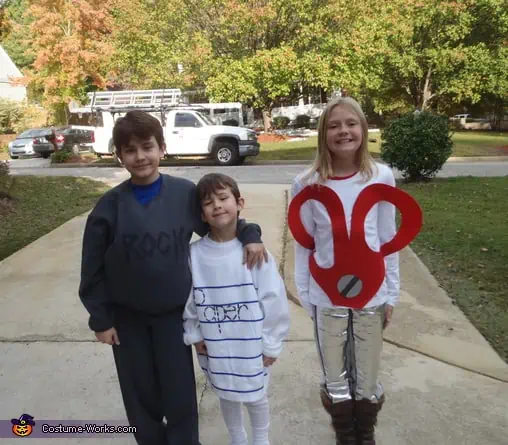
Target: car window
42 132
186 120
206 118
25 134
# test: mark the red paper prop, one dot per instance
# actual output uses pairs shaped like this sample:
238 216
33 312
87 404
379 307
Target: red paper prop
358 272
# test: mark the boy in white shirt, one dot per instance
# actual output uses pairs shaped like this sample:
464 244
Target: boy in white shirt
236 318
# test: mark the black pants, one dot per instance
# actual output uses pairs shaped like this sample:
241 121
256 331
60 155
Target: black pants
156 375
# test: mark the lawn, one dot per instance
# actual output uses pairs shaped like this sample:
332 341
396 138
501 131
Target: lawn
300 150
464 243
41 204
480 143
465 144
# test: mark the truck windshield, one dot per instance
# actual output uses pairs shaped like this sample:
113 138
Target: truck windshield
207 120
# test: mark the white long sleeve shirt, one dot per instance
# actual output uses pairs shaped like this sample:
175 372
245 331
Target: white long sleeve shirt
240 314
380 228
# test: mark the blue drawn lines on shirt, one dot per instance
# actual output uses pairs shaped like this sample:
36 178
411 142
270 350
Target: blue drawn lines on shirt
228 357
228 304
237 390
214 307
233 339
208 371
234 374
225 287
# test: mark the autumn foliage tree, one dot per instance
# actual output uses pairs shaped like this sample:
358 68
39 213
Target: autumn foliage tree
71 41
398 55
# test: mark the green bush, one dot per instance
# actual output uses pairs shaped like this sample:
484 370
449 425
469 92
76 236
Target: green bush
302 121
10 113
417 144
5 185
16 117
61 156
4 168
280 122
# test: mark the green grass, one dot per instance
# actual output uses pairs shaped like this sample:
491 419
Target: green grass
41 204
480 143
465 144
299 150
464 243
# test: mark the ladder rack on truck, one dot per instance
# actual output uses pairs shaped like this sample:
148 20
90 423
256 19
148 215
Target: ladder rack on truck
155 101
134 98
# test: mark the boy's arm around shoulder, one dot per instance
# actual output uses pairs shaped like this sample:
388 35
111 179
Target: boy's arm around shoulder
274 303
96 240
248 233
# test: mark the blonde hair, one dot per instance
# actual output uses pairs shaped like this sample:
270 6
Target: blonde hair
323 162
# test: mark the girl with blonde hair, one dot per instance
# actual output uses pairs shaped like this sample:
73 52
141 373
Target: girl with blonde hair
336 215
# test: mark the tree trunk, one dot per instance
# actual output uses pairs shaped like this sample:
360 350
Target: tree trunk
267 120
324 98
427 93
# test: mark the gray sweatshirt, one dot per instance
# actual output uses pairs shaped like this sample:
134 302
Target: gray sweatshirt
137 256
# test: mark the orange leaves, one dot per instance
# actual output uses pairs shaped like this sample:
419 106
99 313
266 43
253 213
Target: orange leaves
70 41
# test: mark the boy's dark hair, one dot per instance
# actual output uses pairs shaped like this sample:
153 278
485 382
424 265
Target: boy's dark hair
139 124
212 182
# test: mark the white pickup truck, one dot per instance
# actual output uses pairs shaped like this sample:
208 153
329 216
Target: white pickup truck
189 133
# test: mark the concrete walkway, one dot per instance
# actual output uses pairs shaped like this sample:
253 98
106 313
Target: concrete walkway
53 369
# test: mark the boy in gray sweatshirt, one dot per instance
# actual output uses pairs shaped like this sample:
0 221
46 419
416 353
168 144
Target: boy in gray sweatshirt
135 281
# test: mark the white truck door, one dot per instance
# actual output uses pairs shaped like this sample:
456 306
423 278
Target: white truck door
186 134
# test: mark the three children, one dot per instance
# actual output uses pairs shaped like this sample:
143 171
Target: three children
141 282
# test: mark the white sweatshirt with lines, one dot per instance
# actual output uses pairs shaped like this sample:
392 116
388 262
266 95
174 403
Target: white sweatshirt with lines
241 315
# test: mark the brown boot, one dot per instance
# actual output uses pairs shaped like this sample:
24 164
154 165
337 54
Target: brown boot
342 419
366 420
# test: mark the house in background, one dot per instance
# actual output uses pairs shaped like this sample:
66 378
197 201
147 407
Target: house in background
8 72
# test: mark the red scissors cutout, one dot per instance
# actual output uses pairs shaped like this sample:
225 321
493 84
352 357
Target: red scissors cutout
358 272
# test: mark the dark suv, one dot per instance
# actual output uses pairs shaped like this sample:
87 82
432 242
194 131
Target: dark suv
74 139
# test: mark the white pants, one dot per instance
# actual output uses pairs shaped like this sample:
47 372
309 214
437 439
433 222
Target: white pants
259 413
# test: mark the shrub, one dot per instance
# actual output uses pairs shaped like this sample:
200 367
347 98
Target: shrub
4 168
60 157
16 117
10 113
417 144
280 122
6 205
302 121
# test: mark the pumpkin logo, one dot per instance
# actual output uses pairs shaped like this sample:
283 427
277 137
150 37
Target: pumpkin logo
23 426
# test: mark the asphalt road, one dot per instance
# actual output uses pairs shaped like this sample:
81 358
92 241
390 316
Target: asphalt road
251 174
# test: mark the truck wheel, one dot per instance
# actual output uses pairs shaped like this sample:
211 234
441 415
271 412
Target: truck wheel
225 153
75 149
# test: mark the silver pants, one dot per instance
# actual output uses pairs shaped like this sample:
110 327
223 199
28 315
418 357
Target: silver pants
349 343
